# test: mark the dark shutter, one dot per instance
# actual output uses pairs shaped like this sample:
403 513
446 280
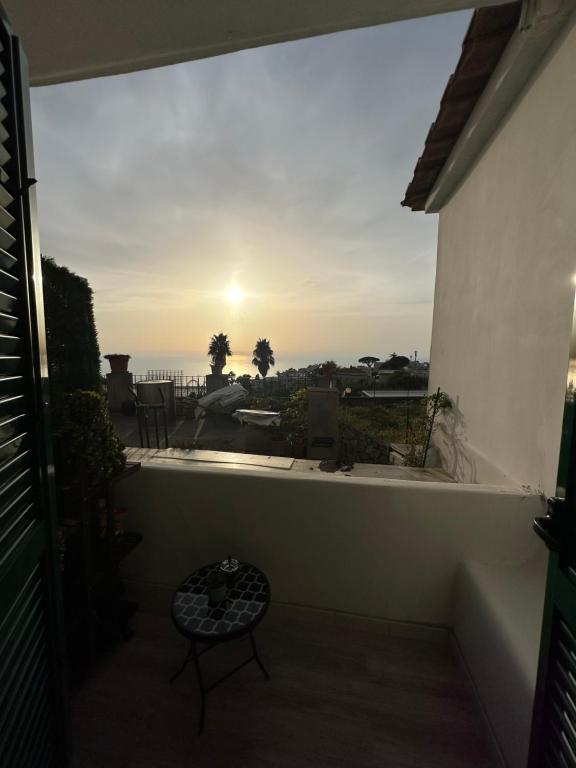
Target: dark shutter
554 736
32 704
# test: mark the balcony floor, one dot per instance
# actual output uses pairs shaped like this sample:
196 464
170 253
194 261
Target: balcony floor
339 696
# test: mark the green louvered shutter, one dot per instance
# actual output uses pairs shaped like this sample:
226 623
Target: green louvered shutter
553 743
32 703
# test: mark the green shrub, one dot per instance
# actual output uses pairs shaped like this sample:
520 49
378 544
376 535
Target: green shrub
88 447
385 423
72 341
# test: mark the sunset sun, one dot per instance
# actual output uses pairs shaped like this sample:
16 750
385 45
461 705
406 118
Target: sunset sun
234 294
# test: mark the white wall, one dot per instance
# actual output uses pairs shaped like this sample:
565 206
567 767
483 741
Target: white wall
504 290
497 622
387 549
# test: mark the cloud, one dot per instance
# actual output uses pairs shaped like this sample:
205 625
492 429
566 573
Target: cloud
281 168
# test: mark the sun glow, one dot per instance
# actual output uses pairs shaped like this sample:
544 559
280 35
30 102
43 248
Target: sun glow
234 294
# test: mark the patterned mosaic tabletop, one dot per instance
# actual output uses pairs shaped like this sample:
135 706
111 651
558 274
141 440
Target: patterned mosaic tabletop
246 602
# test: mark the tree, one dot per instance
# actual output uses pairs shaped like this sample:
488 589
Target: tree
245 380
395 362
369 361
328 369
263 356
219 350
73 353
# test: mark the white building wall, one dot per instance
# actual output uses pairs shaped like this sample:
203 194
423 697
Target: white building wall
504 289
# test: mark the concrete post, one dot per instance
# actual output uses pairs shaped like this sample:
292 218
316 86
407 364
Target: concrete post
118 387
323 406
216 381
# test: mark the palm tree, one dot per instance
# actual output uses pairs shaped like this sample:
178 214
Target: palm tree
263 356
219 350
328 369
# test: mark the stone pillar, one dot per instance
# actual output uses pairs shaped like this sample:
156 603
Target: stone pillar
118 387
323 404
216 381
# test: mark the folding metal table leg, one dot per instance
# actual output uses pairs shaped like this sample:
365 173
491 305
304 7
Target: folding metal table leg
189 655
257 657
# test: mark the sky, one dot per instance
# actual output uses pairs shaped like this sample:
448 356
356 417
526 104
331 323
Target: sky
256 193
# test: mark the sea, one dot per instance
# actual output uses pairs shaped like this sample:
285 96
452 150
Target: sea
199 365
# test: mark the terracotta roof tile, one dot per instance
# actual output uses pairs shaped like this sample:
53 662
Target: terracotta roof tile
488 34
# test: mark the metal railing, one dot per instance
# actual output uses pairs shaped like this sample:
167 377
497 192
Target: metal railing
184 385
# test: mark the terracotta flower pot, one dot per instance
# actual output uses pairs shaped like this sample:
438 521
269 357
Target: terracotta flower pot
299 448
118 363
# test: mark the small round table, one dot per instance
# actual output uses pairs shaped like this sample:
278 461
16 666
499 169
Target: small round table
245 605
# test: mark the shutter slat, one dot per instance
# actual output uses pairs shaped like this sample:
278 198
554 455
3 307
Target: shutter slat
567 636
31 698
4 155
21 604
8 282
561 689
8 323
13 465
6 218
14 523
7 303
10 363
9 344
38 751
11 447
5 196
14 484
560 746
566 729
7 261
6 239
566 659
24 691
11 405
31 750
11 426
23 648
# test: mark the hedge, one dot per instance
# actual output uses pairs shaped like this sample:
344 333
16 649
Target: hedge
73 353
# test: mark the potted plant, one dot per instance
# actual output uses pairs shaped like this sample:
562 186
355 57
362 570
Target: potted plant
118 362
218 351
298 443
